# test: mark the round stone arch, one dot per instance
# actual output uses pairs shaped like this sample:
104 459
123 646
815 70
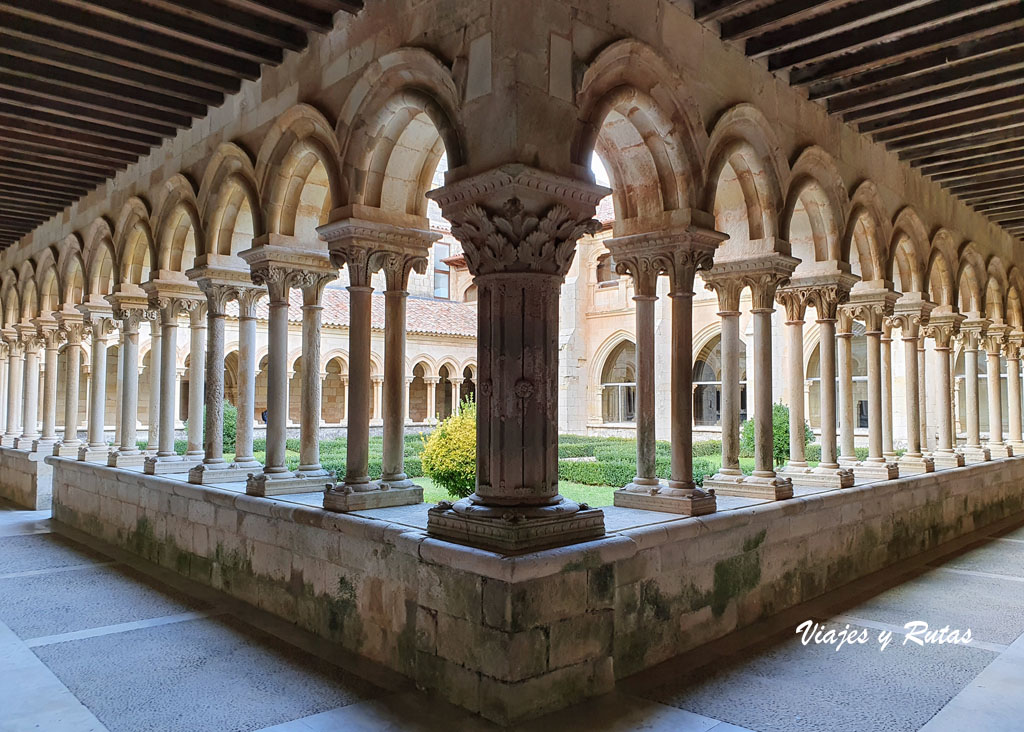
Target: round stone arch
816 208
102 264
392 130
178 229
227 189
334 354
942 263
135 245
299 151
867 233
743 142
908 251
635 112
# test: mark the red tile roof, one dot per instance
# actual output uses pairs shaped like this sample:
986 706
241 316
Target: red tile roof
423 314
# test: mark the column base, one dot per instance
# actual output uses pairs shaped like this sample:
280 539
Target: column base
213 473
514 529
396 482
664 498
93 454
749 486
168 464
119 459
949 459
874 470
343 498
287 483
25 442
975 454
1002 450
44 445
818 477
915 465
67 449
8 440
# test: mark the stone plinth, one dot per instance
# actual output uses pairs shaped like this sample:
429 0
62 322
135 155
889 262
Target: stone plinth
263 484
876 470
25 478
819 477
381 495
749 486
160 465
1002 450
663 497
975 454
914 464
943 460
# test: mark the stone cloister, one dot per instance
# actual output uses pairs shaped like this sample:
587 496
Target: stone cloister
216 264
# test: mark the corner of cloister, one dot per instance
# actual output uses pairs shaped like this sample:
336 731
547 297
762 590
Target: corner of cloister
651 221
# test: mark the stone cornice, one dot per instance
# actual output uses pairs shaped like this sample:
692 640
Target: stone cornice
522 181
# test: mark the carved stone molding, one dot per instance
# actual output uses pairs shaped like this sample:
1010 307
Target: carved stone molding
972 330
763 275
871 307
1013 345
995 338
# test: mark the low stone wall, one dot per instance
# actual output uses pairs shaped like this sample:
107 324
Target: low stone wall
25 478
516 637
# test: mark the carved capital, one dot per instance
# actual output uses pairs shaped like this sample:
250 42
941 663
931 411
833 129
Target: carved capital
248 299
52 336
644 268
728 290
218 297
994 340
15 347
795 300
908 322
74 331
101 327
397 267
311 283
514 240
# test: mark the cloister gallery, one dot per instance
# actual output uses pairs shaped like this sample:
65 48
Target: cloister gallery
596 218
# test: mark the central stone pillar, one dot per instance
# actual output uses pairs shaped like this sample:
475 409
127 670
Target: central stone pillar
51 337
943 328
281 263
361 240
679 254
30 404
197 383
871 306
131 311
909 314
763 276
519 228
972 331
1012 349
98 317
844 367
155 357
995 339
824 293
888 451
74 329
15 383
170 299
245 461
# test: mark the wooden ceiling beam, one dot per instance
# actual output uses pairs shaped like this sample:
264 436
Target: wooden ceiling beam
48 159
969 27
962 145
958 166
29 181
88 141
956 111
33 104
784 13
987 184
38 194
966 155
220 15
85 154
72 123
705 10
9 204
899 139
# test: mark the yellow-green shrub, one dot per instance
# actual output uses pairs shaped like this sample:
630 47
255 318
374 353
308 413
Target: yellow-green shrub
449 458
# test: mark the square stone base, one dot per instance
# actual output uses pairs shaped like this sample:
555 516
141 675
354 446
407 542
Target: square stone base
818 477
514 537
168 465
93 454
1000 451
945 460
749 486
67 450
25 443
336 499
118 459
43 446
8 440
264 485
975 454
222 473
870 470
915 465
694 502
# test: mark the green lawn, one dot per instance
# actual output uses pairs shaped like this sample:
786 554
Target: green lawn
595 495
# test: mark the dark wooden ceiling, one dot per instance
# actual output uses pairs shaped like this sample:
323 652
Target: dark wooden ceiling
939 82
89 86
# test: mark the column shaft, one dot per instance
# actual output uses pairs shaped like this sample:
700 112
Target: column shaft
197 383
764 438
995 400
30 410
130 383
358 447
922 393
3 392
971 389
795 373
1013 397
912 394
846 407
213 439
645 396
827 392
944 411
50 390
309 427
886 377
168 376
16 382
395 392
875 413
155 359
247 367
682 391
72 376
277 384
730 412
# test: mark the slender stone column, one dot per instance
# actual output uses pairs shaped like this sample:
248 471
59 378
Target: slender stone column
994 340
644 267
74 330
943 329
155 357
4 354
728 291
179 397
214 465
763 296
128 452
30 405
456 395
344 404
96 448
312 285
247 366
794 301
15 384
1012 350
197 383
886 376
908 317
378 400
431 382
519 228
922 394
971 333
827 391
171 303
357 477
397 268
275 280
408 389
51 337
844 365
119 385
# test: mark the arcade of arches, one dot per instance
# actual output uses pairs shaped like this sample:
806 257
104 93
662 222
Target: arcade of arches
381 226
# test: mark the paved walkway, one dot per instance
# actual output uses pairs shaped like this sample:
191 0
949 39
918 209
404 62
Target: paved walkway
93 642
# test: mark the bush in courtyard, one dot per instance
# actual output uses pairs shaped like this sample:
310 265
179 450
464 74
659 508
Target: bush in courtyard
814 453
702 469
780 435
230 426
707 448
449 457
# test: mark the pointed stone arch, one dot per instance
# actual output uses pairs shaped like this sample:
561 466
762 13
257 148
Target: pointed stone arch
135 245
868 232
101 260
996 289
942 265
908 251
227 189
72 270
816 187
971 273
177 229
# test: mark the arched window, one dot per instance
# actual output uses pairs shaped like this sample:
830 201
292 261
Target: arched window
470 294
961 392
707 384
606 274
859 348
618 384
